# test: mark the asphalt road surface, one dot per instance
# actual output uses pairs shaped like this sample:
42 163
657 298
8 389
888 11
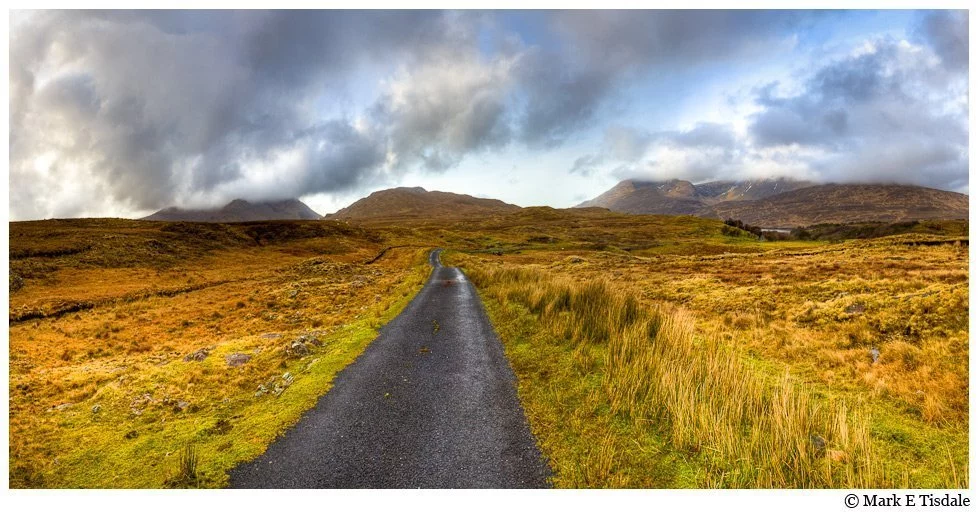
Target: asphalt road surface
430 403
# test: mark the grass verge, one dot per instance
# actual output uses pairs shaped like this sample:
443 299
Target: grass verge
622 395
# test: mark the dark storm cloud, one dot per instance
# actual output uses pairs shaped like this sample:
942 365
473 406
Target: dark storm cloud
151 108
446 106
947 33
135 110
341 158
567 89
99 99
290 46
158 104
558 100
627 39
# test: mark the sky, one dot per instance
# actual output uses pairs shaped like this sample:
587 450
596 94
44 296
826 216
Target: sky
121 113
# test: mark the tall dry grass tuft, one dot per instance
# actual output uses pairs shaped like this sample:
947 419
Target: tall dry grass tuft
749 429
187 474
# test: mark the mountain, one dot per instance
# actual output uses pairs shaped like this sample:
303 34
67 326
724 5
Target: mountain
680 197
674 197
783 202
403 202
747 190
844 203
240 210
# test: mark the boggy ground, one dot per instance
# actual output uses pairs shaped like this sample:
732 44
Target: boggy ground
126 336
871 336
154 354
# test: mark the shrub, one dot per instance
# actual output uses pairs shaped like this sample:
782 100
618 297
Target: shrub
754 230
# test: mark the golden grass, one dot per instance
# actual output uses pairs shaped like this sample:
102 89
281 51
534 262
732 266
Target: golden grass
767 345
816 310
749 430
109 397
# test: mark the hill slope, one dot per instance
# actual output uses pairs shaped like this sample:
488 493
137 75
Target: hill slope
747 190
404 202
680 197
836 203
674 197
240 210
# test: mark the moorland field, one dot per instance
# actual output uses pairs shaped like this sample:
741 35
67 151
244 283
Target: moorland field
131 341
650 351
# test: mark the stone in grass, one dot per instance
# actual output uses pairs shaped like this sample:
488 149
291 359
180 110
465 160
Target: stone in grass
198 355
16 282
96 408
297 348
818 443
311 339
236 359
274 386
221 427
874 353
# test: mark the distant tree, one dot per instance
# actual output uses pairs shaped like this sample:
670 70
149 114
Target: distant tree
754 230
801 234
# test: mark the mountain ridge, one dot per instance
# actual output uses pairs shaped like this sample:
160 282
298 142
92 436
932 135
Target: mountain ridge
416 202
783 202
239 210
836 203
635 196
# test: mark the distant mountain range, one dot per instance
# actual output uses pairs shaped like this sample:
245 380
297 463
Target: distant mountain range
839 204
778 203
240 210
680 197
416 202
782 202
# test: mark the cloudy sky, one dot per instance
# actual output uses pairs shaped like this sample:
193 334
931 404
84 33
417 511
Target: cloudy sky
122 113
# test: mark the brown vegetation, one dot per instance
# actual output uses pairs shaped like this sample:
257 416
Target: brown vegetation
650 350
158 336
696 392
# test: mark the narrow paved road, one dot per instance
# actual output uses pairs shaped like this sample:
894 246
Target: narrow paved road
430 403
